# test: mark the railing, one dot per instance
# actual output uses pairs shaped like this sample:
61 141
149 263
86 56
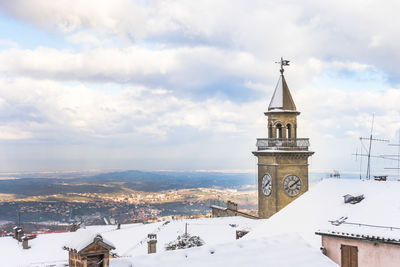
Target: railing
268 143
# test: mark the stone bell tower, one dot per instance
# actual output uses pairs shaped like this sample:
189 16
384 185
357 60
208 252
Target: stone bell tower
282 157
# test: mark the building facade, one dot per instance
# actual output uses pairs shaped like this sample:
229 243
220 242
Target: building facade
282 157
94 254
350 249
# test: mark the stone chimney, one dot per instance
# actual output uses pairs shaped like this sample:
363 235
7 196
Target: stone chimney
74 227
25 242
15 229
152 243
18 232
232 206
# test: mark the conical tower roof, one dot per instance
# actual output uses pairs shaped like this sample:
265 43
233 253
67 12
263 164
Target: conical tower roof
282 99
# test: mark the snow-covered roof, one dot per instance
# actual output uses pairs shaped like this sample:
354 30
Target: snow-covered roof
285 250
133 241
44 249
130 240
363 232
85 238
282 99
324 202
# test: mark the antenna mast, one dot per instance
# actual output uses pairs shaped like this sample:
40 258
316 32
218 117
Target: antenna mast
369 149
395 157
368 155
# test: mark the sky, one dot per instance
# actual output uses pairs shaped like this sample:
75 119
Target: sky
183 85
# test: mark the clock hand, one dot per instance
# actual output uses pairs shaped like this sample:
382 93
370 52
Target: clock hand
291 186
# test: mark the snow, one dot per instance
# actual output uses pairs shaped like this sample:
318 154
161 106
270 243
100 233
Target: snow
363 232
83 238
44 248
324 202
277 98
130 240
266 151
275 251
279 110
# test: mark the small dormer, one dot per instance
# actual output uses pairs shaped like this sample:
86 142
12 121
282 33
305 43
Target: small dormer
93 252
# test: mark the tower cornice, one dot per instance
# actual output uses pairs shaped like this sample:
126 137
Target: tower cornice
281 111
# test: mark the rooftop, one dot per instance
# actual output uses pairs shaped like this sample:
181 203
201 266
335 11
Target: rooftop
324 202
284 250
130 240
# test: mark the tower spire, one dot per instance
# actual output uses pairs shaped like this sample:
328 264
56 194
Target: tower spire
282 99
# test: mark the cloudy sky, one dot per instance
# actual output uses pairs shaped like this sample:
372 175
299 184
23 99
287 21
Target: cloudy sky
182 85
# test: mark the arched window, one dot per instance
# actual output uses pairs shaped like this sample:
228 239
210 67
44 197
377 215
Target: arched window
289 131
270 131
279 130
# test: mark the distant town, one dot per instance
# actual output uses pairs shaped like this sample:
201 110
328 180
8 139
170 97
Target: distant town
44 213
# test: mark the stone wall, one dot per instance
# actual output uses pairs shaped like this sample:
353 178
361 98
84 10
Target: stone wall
279 166
229 211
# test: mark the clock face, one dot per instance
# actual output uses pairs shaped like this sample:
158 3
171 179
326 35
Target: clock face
266 184
292 185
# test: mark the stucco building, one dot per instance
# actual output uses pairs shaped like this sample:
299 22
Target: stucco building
356 244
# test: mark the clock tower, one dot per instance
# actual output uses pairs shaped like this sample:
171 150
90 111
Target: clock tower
282 157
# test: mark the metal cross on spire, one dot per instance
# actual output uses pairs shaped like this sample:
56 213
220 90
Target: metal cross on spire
283 62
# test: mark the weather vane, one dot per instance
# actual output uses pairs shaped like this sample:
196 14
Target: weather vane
283 63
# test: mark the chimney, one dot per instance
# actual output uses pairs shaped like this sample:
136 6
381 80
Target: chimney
15 232
152 243
25 242
19 233
240 233
232 206
74 227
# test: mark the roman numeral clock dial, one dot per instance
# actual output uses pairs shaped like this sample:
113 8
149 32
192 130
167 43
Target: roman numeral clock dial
292 185
266 184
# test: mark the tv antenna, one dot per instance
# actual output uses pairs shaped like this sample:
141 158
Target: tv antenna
369 149
283 62
395 157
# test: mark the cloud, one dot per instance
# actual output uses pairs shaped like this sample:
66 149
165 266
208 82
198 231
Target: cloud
336 29
10 133
183 69
132 109
142 119
185 83
86 38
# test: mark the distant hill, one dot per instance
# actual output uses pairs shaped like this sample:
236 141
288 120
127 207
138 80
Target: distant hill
132 179
157 181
